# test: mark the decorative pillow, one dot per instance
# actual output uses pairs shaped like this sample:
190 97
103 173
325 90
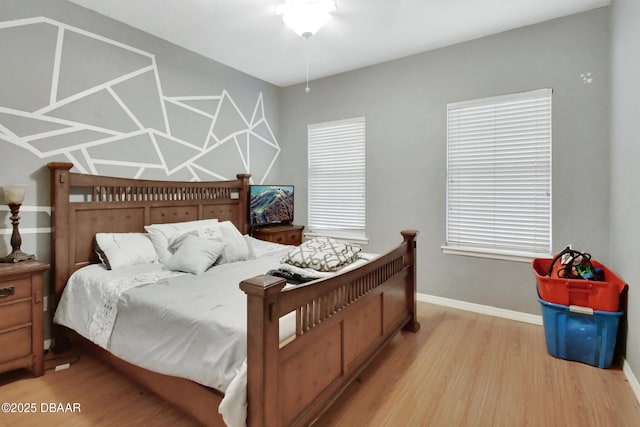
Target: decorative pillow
117 250
322 254
212 232
195 255
162 234
236 248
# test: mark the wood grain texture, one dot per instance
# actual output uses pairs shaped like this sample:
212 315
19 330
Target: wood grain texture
461 369
105 204
466 369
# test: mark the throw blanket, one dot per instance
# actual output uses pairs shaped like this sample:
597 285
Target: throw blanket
322 254
102 319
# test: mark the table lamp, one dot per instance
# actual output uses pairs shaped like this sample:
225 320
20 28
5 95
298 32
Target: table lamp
13 196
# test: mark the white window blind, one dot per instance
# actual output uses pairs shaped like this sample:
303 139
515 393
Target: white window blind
337 178
499 175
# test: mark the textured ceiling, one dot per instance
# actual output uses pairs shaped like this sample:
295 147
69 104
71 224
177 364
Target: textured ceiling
248 36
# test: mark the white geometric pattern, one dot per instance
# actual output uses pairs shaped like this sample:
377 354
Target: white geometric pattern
177 136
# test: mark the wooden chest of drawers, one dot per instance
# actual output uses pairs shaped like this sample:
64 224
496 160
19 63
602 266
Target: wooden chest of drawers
284 234
21 316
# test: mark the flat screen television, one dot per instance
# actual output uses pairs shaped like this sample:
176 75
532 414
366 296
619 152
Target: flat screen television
270 204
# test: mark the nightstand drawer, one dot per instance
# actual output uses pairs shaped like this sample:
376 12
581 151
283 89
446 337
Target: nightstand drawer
15 344
21 316
15 289
293 238
283 234
15 314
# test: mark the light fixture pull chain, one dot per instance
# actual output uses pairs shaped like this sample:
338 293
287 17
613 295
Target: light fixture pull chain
307 89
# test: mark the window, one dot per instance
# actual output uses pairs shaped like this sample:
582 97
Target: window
337 179
499 176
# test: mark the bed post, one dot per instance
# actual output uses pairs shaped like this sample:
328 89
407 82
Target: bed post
59 224
263 341
410 261
59 240
244 201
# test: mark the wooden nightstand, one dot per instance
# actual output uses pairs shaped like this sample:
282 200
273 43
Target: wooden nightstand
285 234
21 316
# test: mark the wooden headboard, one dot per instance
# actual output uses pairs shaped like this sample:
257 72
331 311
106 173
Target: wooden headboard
83 205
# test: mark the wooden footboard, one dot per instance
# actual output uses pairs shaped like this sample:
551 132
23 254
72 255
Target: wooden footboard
341 324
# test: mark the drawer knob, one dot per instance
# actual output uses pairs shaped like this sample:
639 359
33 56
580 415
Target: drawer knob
7 292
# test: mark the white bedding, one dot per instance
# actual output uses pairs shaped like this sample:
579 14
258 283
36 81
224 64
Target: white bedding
184 325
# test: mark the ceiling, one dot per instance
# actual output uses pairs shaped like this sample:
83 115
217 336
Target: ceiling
248 36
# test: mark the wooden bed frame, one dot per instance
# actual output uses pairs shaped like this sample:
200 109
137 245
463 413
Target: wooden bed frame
342 322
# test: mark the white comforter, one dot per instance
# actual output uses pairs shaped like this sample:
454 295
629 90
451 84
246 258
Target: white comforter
184 325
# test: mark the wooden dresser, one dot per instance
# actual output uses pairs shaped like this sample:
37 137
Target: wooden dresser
21 316
285 234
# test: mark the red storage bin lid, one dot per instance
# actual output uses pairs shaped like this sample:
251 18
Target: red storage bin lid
598 295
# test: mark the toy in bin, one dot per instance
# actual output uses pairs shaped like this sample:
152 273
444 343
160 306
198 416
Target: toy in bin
573 278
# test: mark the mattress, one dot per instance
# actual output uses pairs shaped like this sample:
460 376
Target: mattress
178 324
184 325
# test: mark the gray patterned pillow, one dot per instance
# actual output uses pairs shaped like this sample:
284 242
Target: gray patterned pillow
322 254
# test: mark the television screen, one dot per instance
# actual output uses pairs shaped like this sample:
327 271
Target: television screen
270 204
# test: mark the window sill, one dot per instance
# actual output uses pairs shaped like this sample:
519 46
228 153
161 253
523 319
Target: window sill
360 240
492 254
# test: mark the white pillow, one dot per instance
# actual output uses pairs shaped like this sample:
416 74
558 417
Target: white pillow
117 250
162 234
258 248
236 248
195 255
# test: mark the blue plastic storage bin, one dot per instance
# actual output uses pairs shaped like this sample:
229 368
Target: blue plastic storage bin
581 337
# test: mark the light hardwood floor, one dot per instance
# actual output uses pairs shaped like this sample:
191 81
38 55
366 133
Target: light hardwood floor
460 369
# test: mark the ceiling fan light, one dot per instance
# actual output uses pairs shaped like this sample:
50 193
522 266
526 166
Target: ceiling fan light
306 17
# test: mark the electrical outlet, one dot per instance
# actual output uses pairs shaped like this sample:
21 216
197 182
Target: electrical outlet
45 303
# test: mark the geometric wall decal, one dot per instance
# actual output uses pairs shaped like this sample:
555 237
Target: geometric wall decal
175 155
158 174
242 142
262 131
227 150
258 149
209 105
80 160
99 109
62 142
26 126
140 150
111 169
188 125
141 95
26 74
101 105
89 62
230 120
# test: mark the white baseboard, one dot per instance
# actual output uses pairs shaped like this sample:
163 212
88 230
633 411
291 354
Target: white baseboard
520 317
631 378
482 309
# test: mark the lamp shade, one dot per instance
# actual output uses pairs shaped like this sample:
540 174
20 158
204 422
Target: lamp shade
13 194
306 17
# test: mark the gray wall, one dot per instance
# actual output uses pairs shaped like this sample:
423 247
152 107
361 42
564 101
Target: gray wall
625 153
77 86
121 107
404 102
